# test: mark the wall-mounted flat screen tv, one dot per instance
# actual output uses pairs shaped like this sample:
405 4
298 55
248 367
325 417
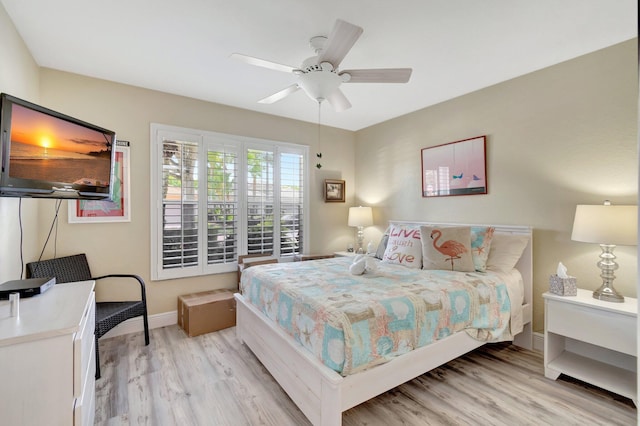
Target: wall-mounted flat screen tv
46 154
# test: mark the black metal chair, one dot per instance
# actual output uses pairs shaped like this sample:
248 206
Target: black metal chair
108 314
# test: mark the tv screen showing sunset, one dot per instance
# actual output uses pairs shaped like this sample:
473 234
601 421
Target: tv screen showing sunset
48 148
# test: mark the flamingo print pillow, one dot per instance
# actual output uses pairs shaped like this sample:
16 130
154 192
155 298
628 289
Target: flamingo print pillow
447 248
404 247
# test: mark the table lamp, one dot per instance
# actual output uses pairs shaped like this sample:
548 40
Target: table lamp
607 225
360 217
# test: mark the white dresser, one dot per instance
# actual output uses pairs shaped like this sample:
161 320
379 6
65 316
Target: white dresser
592 340
47 358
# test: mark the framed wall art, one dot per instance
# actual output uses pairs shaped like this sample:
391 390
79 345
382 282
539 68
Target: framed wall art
455 168
334 191
118 210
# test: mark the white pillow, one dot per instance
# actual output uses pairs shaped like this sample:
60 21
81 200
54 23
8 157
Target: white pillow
506 250
404 247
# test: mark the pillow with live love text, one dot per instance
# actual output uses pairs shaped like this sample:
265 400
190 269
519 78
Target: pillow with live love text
404 246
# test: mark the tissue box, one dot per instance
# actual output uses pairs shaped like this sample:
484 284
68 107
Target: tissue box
563 286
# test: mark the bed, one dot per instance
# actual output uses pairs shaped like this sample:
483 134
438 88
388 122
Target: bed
323 391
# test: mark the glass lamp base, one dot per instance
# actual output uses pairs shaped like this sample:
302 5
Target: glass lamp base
608 294
608 266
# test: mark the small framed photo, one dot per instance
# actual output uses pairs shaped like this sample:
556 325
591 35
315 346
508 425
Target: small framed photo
334 191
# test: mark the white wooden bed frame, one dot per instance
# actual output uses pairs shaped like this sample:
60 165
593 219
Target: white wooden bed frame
321 393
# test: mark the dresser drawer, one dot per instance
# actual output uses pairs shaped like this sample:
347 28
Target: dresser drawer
83 349
85 406
603 328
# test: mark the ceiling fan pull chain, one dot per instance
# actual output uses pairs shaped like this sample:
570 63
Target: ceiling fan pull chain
319 153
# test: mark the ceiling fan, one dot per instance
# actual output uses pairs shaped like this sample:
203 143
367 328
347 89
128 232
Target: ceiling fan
319 75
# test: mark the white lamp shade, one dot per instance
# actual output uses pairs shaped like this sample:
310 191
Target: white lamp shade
360 216
606 224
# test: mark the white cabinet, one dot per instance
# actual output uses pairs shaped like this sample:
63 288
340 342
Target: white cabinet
47 358
592 340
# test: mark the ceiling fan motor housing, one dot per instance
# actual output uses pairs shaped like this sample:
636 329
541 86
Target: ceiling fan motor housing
312 64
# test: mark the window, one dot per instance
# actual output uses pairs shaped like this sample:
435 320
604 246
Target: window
216 196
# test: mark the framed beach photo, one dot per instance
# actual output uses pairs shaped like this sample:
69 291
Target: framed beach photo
118 210
334 191
456 168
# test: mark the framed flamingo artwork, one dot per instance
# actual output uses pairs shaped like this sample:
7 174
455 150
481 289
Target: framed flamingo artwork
455 168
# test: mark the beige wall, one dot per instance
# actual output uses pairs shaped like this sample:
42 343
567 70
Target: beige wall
559 137
125 247
18 77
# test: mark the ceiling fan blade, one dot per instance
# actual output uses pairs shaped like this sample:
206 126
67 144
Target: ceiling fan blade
279 95
340 41
382 75
338 100
262 62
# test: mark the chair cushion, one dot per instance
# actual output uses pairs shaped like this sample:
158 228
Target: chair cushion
110 314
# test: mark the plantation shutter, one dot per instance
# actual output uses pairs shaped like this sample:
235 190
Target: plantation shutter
222 204
260 201
179 204
291 203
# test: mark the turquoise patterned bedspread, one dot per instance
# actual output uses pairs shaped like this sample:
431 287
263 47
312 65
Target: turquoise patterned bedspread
353 322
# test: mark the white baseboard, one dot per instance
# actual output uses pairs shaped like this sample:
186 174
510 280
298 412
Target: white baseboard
134 325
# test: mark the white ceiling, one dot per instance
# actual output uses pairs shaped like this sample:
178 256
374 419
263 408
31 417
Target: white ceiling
183 47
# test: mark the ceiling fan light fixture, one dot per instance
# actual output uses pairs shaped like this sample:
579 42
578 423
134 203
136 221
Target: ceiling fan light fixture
319 85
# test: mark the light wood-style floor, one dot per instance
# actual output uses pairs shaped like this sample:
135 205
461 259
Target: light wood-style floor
213 379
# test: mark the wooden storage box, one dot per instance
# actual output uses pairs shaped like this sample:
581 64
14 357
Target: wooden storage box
207 311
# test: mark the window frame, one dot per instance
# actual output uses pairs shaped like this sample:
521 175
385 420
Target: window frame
205 140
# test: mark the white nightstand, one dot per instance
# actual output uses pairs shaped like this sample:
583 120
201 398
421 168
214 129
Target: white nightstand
592 340
345 253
